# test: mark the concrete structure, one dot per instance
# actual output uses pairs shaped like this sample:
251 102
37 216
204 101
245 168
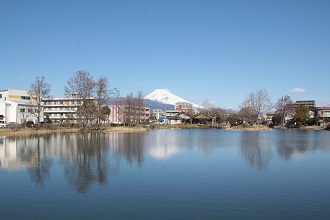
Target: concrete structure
16 106
60 110
185 107
121 114
323 113
158 113
268 118
292 108
176 117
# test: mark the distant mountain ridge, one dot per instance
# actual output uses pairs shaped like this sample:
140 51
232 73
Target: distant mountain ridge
160 99
165 96
150 104
157 105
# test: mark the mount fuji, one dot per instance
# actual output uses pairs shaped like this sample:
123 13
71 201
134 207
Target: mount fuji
166 97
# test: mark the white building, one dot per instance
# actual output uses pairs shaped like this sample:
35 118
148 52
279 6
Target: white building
16 106
61 110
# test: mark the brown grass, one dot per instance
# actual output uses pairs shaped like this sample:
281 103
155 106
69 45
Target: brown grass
250 128
29 131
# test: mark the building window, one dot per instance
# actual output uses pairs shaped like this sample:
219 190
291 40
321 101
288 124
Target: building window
29 110
22 110
25 97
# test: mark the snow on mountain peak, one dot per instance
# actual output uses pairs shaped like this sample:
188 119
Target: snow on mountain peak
165 96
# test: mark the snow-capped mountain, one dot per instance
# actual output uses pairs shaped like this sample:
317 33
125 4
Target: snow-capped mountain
165 96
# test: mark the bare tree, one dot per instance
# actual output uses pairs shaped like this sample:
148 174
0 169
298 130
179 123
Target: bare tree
208 104
102 98
81 86
138 102
118 105
39 90
133 107
219 115
129 109
256 104
283 107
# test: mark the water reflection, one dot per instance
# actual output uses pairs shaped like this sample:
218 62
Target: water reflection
256 148
164 144
86 163
88 159
293 145
39 164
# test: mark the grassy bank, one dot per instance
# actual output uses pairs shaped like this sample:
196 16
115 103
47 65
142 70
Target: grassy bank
250 128
194 126
29 131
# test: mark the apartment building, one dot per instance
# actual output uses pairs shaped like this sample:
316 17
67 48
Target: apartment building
185 107
60 110
121 114
16 106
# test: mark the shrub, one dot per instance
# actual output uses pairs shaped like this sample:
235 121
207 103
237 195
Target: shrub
14 126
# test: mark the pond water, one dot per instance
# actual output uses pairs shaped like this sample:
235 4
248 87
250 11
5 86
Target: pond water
167 174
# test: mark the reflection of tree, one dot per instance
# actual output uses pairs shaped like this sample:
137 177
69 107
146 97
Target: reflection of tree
257 154
284 148
39 163
40 172
88 163
133 147
291 141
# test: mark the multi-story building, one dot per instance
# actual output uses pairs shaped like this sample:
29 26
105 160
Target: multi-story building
60 110
185 107
121 114
16 106
292 108
323 112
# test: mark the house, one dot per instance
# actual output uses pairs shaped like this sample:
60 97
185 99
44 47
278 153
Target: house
268 118
202 119
16 106
292 108
178 119
323 113
171 113
157 113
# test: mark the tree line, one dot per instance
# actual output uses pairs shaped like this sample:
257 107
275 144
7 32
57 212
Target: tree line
94 95
257 104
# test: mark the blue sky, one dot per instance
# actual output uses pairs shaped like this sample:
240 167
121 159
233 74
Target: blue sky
200 50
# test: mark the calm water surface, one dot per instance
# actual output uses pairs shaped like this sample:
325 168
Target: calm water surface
167 174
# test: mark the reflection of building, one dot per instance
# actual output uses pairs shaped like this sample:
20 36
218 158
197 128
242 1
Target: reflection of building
10 158
60 110
120 114
16 106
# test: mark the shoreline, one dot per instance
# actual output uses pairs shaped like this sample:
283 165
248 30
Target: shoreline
30 131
